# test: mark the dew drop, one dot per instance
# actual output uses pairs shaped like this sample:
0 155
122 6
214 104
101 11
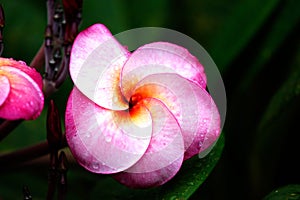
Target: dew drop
88 135
200 144
191 183
95 166
108 138
31 103
22 62
115 99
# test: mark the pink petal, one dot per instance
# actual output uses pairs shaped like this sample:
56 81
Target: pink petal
4 88
149 179
164 156
25 100
95 66
104 141
161 57
208 130
192 106
23 67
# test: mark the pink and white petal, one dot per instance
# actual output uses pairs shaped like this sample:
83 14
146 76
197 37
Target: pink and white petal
23 67
149 179
191 105
25 99
164 156
4 88
194 65
161 57
95 66
103 141
208 130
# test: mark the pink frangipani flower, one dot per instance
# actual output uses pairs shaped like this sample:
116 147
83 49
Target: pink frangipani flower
21 95
137 115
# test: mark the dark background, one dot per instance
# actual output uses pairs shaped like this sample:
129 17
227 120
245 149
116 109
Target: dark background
255 44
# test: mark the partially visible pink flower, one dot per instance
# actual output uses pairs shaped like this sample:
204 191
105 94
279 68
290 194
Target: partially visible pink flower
137 115
21 95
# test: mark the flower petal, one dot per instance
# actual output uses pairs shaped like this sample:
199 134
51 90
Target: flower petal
95 66
149 179
25 100
161 57
208 130
23 67
103 141
192 106
164 156
4 88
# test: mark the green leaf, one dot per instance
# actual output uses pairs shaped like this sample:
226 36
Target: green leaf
290 192
275 140
193 174
248 17
286 21
289 91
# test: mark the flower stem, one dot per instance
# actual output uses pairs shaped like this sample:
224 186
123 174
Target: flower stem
2 22
16 158
52 174
26 193
6 126
62 176
38 61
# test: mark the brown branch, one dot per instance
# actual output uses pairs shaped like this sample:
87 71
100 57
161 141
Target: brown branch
7 126
16 158
38 61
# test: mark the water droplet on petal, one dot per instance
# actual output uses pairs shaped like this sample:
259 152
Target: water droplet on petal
115 99
95 166
108 138
31 103
200 144
22 62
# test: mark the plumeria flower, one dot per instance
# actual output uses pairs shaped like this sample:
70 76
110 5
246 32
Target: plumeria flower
137 115
21 95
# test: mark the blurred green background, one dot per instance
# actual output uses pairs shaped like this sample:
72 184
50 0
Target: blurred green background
256 46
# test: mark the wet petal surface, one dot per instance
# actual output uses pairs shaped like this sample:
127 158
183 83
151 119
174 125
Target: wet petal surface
161 57
4 88
25 99
95 66
104 141
192 106
164 154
